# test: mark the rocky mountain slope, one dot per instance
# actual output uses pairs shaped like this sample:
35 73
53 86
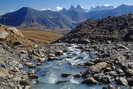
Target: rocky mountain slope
28 17
66 18
76 14
111 28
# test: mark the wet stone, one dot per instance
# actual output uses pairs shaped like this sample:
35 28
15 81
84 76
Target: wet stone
65 75
111 87
122 81
90 81
77 75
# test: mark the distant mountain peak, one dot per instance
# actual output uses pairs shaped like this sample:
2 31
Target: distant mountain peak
25 8
123 6
72 7
27 11
79 7
64 9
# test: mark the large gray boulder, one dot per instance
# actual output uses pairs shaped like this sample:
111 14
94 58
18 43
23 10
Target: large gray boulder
3 35
98 67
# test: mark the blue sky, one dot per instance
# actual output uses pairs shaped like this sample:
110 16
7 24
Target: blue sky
11 5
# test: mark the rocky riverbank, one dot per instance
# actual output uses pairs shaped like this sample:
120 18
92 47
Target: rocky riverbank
113 64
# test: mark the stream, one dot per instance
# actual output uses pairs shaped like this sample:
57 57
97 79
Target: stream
50 73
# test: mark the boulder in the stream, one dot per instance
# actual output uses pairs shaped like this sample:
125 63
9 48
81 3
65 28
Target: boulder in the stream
65 75
77 75
41 59
32 76
51 57
90 80
59 82
98 67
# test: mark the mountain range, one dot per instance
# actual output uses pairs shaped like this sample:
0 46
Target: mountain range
65 18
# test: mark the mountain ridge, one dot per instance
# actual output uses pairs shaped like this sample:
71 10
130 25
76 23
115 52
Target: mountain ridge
65 18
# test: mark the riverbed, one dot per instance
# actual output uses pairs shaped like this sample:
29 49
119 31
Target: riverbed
50 73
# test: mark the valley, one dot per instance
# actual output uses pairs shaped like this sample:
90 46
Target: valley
72 48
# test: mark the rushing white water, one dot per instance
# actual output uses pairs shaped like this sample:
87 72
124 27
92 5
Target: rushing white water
74 81
52 78
50 72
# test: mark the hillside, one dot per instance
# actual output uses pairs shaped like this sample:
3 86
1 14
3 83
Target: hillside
41 37
15 37
116 28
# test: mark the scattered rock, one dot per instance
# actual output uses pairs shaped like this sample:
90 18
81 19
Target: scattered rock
122 81
24 82
29 64
102 78
130 81
111 87
3 72
129 72
32 76
59 53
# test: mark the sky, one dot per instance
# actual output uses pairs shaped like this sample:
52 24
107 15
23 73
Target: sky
12 5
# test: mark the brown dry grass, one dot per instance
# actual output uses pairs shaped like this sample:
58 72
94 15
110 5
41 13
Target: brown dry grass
41 37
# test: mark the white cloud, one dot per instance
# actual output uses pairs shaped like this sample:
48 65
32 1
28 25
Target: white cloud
107 5
49 8
58 8
43 9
